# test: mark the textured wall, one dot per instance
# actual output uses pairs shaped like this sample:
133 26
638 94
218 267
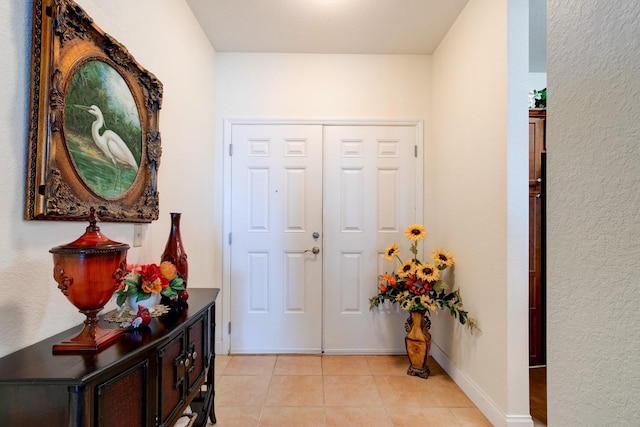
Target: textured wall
163 37
593 213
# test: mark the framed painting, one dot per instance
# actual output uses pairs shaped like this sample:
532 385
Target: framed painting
93 125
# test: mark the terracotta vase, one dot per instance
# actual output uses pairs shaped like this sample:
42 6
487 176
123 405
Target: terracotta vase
174 251
87 271
418 343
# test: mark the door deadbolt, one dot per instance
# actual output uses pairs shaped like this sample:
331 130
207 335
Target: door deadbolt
315 234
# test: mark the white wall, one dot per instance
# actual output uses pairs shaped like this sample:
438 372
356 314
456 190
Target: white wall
480 205
322 86
164 38
537 81
593 145
470 214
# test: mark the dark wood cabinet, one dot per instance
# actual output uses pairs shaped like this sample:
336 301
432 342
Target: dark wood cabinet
148 377
181 369
537 153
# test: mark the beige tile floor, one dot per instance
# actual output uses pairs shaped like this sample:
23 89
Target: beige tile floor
349 391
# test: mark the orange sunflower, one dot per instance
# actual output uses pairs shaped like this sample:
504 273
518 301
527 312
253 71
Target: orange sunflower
428 272
391 252
415 232
442 258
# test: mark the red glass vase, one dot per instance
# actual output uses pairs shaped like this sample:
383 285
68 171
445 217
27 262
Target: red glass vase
174 251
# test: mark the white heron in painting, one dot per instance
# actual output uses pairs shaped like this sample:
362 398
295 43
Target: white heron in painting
110 143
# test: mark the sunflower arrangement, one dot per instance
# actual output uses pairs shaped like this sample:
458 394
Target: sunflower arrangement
417 285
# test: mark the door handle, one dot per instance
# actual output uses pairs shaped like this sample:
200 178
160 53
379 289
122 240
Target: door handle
315 250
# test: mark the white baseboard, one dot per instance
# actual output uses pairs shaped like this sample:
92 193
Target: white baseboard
479 398
376 351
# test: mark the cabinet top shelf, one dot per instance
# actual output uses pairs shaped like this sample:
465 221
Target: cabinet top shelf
38 361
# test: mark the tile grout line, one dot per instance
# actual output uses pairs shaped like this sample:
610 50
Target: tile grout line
302 370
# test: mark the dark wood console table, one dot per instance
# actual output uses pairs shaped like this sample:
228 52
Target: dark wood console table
147 377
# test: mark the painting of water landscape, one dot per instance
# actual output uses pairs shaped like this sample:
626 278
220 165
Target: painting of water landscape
94 139
103 132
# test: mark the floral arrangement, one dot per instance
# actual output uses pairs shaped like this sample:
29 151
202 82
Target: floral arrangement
145 280
417 286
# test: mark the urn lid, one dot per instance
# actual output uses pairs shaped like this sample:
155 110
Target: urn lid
91 242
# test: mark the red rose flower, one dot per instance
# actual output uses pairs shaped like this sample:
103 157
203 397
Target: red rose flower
149 273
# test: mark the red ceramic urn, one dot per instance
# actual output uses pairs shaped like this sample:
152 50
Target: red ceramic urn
87 271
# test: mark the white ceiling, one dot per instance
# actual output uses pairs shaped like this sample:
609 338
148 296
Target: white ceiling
334 26
326 26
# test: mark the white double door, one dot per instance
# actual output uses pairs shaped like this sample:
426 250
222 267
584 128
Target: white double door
312 209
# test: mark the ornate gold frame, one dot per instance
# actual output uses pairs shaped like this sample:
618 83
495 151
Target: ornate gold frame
64 40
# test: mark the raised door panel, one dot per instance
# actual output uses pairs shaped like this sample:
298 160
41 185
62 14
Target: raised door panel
121 401
202 391
171 393
372 182
196 356
276 274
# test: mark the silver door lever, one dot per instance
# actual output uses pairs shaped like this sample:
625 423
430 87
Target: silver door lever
315 250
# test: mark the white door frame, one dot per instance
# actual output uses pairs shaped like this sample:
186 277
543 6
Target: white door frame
224 303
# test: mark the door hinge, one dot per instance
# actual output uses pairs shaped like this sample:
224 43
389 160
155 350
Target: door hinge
229 238
415 151
229 328
230 149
